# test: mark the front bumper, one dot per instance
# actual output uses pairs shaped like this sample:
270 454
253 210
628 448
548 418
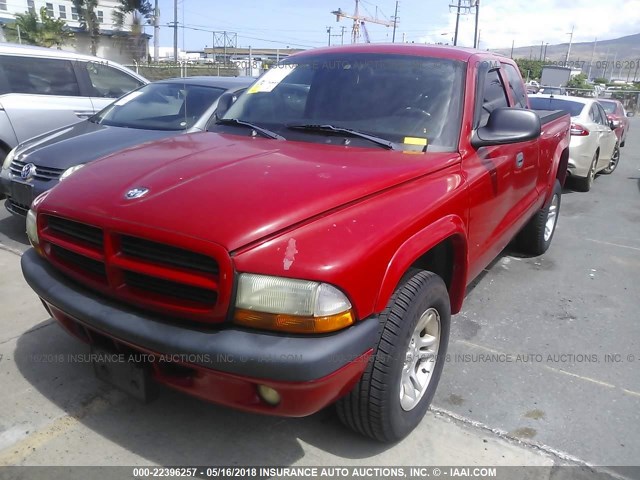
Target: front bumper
11 205
220 365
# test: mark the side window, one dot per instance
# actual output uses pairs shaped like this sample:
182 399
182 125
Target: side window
594 116
603 115
515 85
110 82
41 76
493 96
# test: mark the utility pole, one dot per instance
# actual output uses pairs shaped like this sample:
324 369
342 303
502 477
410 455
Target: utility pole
329 32
395 23
513 42
19 36
175 31
566 61
593 52
455 36
541 48
156 33
476 34
546 44
342 35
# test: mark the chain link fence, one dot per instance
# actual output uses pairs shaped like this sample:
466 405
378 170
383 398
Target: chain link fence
161 71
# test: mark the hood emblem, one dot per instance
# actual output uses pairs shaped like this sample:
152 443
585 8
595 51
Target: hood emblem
28 171
134 193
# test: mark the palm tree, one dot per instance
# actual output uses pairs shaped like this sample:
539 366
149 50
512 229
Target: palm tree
141 9
89 20
45 31
142 12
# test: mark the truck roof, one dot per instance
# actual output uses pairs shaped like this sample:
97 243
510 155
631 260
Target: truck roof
422 50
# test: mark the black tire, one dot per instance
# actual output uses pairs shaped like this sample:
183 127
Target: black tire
533 238
615 159
373 408
584 184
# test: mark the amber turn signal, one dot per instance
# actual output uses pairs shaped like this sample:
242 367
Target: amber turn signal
293 323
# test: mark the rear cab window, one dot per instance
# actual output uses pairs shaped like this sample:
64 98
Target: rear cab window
38 76
516 87
492 95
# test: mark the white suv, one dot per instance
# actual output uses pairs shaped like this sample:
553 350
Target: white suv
42 89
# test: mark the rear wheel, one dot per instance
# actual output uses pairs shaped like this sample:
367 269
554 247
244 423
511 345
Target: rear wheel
613 163
400 381
535 238
584 184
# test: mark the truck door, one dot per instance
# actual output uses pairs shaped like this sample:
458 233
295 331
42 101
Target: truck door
529 157
490 174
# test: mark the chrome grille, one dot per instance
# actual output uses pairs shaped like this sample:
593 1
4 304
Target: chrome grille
42 173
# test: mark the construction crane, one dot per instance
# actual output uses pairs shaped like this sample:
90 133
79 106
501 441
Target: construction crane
359 23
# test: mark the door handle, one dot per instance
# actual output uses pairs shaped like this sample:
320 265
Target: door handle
519 160
83 114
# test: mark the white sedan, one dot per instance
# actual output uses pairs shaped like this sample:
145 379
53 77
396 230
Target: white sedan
594 145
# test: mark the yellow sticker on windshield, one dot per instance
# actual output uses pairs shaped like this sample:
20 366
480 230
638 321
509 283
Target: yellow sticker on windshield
271 79
422 142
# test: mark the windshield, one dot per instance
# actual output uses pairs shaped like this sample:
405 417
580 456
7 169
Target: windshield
542 103
160 106
609 107
406 100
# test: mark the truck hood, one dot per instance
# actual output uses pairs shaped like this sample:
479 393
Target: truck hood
233 190
83 142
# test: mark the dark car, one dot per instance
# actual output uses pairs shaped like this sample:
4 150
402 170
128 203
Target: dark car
158 110
618 116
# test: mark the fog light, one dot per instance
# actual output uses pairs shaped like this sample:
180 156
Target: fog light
269 395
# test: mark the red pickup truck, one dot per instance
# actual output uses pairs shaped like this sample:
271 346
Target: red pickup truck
313 244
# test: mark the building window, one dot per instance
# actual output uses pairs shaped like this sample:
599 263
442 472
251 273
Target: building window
63 11
74 13
3 4
50 9
32 6
100 16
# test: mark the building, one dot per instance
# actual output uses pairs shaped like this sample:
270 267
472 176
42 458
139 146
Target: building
113 44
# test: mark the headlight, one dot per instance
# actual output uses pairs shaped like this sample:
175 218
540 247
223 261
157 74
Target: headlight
32 229
284 304
70 170
8 159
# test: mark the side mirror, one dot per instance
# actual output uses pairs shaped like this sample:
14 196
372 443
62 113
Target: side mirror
506 126
224 103
630 114
612 125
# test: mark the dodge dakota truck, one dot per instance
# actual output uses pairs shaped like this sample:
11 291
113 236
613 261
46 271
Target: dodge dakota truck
312 245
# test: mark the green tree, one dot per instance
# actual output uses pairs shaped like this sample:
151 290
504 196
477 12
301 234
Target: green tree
142 11
579 81
134 41
89 21
45 31
529 69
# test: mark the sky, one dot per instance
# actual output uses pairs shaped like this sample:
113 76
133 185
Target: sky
303 23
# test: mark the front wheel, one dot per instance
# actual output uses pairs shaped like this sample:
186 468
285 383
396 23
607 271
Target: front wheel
401 378
535 238
613 163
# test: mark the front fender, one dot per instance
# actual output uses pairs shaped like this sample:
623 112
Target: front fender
451 227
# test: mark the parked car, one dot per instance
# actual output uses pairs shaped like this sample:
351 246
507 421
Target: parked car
594 144
44 88
313 247
157 110
618 116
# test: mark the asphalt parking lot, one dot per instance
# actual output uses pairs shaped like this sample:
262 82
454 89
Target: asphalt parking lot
544 366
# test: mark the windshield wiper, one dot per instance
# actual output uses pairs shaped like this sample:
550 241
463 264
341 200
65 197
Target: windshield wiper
261 130
354 133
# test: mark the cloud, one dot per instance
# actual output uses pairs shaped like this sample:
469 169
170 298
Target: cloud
531 22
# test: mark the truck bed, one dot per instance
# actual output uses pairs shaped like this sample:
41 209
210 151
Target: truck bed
547 116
